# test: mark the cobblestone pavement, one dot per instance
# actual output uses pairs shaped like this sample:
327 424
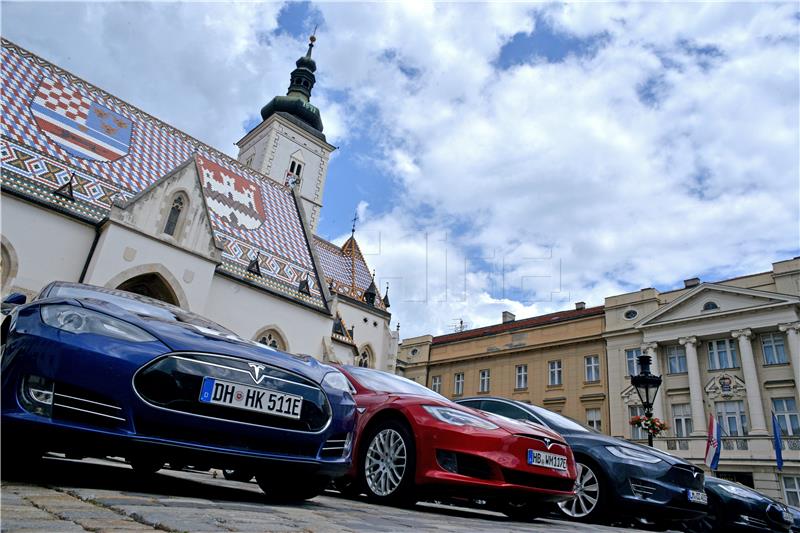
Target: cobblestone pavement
100 496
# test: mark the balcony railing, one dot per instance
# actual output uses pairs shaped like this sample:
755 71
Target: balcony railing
740 447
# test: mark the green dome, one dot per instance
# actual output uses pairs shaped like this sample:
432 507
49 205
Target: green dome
295 107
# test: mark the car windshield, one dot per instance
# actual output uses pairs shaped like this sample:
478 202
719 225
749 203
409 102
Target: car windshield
142 306
561 423
384 382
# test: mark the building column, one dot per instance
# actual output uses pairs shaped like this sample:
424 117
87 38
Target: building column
793 343
758 424
699 427
651 349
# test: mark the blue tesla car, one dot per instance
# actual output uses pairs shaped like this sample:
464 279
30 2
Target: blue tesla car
89 371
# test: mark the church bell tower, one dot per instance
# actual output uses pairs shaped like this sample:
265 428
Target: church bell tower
289 146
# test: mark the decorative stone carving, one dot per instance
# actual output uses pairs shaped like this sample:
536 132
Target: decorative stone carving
725 387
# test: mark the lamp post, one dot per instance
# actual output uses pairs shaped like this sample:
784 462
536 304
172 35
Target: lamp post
646 385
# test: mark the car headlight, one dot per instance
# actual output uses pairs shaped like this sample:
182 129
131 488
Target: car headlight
80 321
336 380
458 418
741 492
623 452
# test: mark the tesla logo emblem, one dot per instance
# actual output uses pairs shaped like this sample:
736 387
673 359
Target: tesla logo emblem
695 473
256 371
547 442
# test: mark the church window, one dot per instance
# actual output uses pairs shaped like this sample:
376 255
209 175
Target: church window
365 358
272 339
178 204
294 174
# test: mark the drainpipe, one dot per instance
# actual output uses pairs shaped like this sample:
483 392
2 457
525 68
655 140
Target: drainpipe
89 256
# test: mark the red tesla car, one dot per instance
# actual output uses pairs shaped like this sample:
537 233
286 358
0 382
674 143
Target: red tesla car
414 444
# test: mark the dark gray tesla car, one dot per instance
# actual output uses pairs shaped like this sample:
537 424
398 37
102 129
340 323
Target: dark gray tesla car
616 478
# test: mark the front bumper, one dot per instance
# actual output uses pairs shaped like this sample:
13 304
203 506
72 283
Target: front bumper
97 411
489 464
659 491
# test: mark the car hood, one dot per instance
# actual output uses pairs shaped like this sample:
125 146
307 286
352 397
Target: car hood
589 439
185 337
521 427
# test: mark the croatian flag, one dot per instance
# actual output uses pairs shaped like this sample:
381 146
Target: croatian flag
776 441
714 443
78 124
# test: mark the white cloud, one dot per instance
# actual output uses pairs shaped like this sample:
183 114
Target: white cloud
523 189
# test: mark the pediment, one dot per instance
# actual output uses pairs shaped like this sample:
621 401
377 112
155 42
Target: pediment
147 212
710 299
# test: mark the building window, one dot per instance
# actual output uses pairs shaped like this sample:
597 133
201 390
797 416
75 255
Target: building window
791 488
458 384
483 381
630 314
174 215
593 419
732 418
722 354
676 359
637 433
682 419
592 364
365 358
710 306
786 413
554 373
436 384
773 348
522 377
632 360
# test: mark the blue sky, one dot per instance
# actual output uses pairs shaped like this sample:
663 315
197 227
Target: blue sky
501 156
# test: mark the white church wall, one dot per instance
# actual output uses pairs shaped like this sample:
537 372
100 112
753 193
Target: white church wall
48 246
377 337
247 311
123 253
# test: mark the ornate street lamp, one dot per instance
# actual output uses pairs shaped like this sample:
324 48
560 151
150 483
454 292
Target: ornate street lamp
646 385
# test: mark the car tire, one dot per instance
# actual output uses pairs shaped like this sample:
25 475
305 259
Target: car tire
237 475
520 511
145 466
290 488
591 487
388 446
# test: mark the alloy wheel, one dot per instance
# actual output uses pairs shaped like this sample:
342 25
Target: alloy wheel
587 494
385 463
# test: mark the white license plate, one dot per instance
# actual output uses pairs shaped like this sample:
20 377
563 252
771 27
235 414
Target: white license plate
547 460
256 399
788 517
697 496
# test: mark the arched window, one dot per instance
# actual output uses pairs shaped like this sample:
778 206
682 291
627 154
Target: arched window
272 339
178 204
710 306
365 358
295 172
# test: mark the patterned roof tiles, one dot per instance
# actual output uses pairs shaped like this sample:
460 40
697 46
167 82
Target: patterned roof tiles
337 264
57 127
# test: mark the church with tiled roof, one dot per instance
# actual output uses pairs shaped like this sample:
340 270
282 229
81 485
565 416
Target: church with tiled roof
98 191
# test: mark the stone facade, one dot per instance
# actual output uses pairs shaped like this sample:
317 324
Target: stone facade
556 360
729 349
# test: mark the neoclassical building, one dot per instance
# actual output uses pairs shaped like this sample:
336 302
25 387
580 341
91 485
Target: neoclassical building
728 348
96 190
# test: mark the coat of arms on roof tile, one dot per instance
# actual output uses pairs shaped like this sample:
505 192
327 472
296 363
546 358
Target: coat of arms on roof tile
231 196
81 126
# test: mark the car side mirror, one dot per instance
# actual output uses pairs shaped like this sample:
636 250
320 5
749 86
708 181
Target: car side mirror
15 298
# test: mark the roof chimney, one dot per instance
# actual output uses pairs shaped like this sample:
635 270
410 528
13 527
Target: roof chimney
580 306
508 317
689 283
